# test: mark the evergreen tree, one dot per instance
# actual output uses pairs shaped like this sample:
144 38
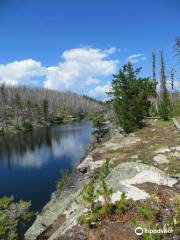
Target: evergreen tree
130 97
164 108
99 123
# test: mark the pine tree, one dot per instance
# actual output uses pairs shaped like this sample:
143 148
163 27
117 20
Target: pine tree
99 123
130 97
164 108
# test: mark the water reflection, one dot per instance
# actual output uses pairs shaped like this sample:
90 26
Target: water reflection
33 149
30 162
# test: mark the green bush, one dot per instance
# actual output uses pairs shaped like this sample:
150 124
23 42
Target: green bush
64 177
175 110
101 210
123 204
99 123
11 214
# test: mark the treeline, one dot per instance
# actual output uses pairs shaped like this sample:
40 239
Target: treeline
25 106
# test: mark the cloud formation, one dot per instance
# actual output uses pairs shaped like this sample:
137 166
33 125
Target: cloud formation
20 72
80 67
134 58
100 91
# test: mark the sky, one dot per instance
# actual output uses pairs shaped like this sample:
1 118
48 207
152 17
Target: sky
77 45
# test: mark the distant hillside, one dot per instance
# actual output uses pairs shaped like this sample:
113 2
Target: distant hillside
19 105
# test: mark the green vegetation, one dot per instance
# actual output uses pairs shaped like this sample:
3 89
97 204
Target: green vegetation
22 108
104 209
64 177
99 123
130 97
175 110
11 214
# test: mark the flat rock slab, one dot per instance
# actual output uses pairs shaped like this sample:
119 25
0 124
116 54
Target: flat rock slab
135 173
125 175
177 148
176 123
163 150
113 146
161 159
175 154
57 206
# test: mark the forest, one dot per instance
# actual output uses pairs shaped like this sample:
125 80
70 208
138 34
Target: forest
24 107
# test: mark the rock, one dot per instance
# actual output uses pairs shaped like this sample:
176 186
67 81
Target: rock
176 123
88 165
132 192
83 170
161 159
163 150
137 173
63 204
123 176
175 154
176 175
177 148
116 143
134 156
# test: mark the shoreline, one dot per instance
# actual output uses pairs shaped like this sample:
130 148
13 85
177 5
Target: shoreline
12 130
77 180
129 170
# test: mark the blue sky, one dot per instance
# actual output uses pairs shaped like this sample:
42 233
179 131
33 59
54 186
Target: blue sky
78 45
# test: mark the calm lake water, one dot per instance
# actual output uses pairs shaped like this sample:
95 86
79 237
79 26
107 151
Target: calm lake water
30 163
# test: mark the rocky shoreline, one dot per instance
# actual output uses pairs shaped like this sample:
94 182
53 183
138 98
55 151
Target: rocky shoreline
59 217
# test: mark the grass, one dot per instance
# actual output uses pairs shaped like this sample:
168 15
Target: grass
60 183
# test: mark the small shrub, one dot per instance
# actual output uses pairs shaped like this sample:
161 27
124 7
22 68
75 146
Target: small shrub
11 214
60 184
99 123
123 204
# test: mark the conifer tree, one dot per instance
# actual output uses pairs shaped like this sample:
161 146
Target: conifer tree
130 97
99 123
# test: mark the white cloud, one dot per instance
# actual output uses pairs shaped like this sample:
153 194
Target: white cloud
136 58
81 67
100 91
19 72
177 84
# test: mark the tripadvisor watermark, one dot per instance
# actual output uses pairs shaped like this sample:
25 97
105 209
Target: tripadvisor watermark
165 230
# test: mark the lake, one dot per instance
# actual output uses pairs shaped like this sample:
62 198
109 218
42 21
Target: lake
31 162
